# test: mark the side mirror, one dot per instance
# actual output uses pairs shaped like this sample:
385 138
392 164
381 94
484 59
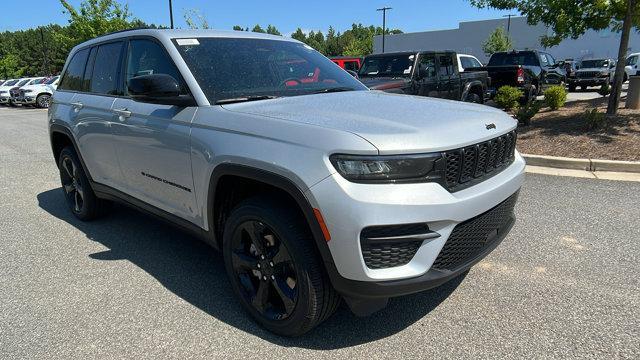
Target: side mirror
352 73
158 89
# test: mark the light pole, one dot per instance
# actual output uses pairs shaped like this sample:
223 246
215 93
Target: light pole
384 23
171 13
508 21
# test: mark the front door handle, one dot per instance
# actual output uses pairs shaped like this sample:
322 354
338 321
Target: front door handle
77 105
122 113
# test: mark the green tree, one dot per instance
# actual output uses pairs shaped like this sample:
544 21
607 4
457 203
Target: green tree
94 18
497 41
10 67
299 35
258 29
195 19
573 18
273 30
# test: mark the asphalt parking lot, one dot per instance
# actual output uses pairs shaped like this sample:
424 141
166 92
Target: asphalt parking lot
563 284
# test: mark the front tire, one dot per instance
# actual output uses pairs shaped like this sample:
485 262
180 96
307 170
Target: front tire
81 199
275 269
473 98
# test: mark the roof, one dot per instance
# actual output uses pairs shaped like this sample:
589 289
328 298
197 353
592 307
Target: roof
410 52
169 34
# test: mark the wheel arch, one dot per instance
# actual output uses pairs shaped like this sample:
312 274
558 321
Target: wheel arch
61 137
475 86
270 179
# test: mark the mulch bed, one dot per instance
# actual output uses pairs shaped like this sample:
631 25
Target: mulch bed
565 133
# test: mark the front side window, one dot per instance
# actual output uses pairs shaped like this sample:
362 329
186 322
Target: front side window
72 78
446 65
146 57
104 77
23 82
387 66
228 69
632 60
428 65
10 83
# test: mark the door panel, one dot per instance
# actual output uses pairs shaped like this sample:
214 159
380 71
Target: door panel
154 152
445 74
153 140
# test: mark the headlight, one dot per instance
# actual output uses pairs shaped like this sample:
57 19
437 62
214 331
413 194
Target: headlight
397 168
3 92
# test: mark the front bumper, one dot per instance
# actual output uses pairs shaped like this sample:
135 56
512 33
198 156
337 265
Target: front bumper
348 208
588 81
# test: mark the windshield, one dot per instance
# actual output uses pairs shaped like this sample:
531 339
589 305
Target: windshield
594 64
519 58
23 82
10 83
231 68
387 66
52 80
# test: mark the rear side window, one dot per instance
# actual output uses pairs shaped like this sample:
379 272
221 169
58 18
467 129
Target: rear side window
72 78
147 57
104 78
466 62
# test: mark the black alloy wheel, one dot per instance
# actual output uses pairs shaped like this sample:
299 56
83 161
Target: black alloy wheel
264 269
72 184
274 266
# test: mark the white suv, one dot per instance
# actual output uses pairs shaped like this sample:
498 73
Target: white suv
314 188
38 94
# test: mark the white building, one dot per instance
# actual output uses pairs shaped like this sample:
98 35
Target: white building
469 37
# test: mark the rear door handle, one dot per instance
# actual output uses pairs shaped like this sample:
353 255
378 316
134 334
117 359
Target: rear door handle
122 113
77 105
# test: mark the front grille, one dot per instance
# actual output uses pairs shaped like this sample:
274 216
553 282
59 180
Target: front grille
472 164
470 238
588 74
381 254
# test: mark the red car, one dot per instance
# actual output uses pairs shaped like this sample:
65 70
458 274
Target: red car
347 62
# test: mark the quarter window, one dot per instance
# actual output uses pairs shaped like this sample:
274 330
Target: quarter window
105 69
72 79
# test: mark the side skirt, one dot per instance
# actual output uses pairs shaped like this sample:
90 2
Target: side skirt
109 193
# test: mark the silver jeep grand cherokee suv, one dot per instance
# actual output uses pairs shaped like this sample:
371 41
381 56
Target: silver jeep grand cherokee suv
314 188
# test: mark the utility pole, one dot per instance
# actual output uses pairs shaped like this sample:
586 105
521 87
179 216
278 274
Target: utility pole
171 13
384 23
509 21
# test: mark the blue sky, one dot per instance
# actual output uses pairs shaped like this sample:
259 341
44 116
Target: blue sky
408 15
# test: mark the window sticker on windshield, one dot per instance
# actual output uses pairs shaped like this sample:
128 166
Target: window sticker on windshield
185 42
411 57
408 71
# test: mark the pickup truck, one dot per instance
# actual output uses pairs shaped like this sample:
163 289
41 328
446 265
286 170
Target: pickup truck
594 72
424 73
531 71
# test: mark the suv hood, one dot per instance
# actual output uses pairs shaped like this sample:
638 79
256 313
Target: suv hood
392 123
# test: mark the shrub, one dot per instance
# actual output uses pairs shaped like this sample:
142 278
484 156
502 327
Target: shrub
527 111
605 89
594 119
507 97
555 97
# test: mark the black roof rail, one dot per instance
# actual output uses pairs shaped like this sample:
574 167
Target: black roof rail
125 30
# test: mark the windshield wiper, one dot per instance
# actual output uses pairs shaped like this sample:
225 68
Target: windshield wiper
245 99
333 89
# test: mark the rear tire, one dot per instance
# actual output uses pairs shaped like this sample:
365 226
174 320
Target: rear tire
274 267
42 101
81 199
572 88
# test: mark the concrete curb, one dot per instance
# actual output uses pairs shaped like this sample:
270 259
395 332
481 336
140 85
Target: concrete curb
582 164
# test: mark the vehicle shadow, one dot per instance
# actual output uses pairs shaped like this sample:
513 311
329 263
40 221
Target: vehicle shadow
195 272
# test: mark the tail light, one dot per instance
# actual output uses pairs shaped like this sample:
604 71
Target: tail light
520 75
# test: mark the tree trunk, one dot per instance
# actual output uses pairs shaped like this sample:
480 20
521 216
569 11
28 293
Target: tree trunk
614 98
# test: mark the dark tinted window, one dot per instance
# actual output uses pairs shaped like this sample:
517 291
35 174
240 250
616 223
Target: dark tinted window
428 65
632 60
72 78
104 79
147 57
519 58
446 65
387 65
86 82
351 65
